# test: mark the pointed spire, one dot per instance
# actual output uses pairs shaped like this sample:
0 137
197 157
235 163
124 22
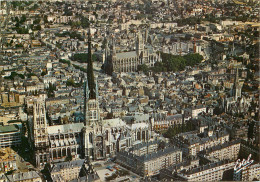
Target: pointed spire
96 89
114 46
90 72
86 90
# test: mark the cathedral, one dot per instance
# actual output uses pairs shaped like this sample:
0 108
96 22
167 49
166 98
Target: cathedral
237 103
128 61
93 139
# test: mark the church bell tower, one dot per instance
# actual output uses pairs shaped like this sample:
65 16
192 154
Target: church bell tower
92 115
40 135
139 44
237 89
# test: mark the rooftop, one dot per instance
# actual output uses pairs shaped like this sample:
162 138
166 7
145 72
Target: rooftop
22 176
8 129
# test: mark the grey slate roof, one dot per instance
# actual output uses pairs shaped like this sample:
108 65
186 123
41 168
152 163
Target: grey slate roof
74 127
205 167
159 153
23 176
8 128
173 117
124 55
77 163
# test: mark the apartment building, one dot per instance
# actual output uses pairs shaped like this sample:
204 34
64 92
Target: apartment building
144 148
169 173
149 164
228 150
251 173
209 172
192 144
30 176
66 171
10 135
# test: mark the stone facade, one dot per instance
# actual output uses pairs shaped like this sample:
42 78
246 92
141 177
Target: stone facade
39 133
129 61
94 139
229 150
210 172
151 162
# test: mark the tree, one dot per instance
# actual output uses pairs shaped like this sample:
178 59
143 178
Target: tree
140 16
23 19
159 67
251 130
68 157
143 67
84 22
46 172
161 145
70 82
13 75
83 57
65 61
36 21
128 6
109 115
50 90
30 75
38 27
43 73
45 19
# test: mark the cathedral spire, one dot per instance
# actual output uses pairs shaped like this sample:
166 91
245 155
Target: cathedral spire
238 84
237 76
96 89
86 90
90 73
113 47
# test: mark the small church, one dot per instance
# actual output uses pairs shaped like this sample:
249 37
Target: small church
128 61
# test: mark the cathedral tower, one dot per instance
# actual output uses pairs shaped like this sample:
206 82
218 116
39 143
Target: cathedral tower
92 115
113 52
93 137
237 86
90 73
106 51
40 135
139 44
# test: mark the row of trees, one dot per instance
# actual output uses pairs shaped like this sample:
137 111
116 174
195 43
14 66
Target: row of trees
172 63
179 128
80 68
71 82
75 66
65 61
13 75
73 35
83 57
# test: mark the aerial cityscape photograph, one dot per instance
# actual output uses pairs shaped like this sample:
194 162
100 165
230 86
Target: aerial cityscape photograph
129 90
